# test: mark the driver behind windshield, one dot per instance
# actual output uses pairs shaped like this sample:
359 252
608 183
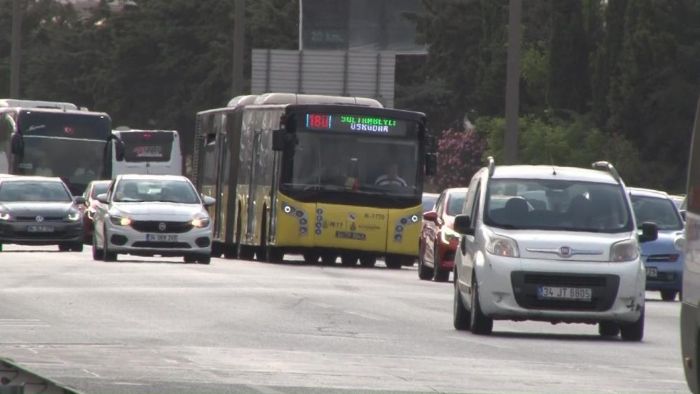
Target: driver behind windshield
391 177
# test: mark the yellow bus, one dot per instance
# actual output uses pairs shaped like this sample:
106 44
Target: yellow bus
320 176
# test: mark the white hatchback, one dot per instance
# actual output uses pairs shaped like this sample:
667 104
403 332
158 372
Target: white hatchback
556 244
149 215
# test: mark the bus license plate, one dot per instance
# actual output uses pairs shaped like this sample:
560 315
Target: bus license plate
564 293
652 272
40 229
161 237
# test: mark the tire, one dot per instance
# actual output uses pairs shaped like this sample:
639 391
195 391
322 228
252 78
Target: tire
368 261
97 254
204 259
217 249
77 247
272 254
480 324
633 332
189 259
328 259
64 247
439 274
245 252
460 315
668 295
230 251
608 329
311 258
424 273
393 262
348 260
107 254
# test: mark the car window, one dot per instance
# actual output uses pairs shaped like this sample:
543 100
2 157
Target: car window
99 188
139 190
455 203
656 210
428 202
40 191
557 205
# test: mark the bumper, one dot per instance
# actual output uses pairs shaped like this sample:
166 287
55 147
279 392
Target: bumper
45 233
508 289
127 240
667 278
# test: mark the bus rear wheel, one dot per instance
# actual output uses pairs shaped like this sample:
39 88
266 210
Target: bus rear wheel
348 260
368 261
328 259
311 258
393 262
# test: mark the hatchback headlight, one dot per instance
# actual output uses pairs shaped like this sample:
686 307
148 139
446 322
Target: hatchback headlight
5 216
73 216
626 250
120 220
447 235
502 246
200 221
679 243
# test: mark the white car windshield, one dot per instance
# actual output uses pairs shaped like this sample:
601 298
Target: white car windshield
557 205
151 190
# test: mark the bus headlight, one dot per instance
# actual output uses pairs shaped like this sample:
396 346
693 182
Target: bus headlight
120 220
73 216
200 221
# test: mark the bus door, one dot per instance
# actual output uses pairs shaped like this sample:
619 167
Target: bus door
255 170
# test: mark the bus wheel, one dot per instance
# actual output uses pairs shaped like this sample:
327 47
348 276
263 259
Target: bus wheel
273 254
64 247
230 251
368 261
311 258
393 262
348 260
328 259
245 252
217 249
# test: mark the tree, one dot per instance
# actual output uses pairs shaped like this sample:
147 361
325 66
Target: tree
459 158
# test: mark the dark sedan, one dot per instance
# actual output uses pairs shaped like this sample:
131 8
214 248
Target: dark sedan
40 211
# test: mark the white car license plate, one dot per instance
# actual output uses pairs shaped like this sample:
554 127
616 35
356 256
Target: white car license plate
652 272
40 229
161 237
564 293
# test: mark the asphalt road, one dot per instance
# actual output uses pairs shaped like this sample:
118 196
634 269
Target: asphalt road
144 325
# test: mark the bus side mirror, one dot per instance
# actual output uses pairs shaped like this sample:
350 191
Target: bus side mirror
278 140
430 164
17 144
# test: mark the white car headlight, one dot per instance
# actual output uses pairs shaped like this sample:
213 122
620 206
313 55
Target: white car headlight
200 221
120 220
447 235
73 216
5 216
626 250
499 245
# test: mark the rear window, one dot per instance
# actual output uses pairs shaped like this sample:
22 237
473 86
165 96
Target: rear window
147 146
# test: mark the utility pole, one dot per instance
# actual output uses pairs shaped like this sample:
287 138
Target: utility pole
16 48
513 82
238 47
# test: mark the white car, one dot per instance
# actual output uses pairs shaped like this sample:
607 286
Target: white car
148 215
547 243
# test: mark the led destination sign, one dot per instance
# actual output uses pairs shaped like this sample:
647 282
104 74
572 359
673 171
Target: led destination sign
356 124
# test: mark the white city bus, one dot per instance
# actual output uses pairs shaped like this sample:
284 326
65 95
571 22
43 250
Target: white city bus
690 296
148 152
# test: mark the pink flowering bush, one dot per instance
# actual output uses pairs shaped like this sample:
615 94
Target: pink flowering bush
459 157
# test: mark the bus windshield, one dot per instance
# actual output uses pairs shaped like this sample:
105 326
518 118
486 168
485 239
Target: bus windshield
49 156
353 162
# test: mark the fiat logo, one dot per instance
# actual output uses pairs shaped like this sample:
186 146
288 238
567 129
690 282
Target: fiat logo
565 251
161 226
39 219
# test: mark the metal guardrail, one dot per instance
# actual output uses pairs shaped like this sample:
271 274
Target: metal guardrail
17 380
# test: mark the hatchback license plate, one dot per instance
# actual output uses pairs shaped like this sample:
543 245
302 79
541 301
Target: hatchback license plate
652 272
161 237
564 293
40 229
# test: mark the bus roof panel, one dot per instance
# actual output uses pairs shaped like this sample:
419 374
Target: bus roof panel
37 104
293 98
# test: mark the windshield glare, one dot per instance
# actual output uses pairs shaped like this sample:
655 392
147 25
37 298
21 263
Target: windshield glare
139 190
557 205
76 161
656 210
355 163
27 191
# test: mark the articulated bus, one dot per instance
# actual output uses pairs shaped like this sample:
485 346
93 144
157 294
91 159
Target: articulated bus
55 139
147 152
321 176
690 295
